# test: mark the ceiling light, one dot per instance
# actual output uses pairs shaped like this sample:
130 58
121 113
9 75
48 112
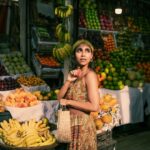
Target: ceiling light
118 11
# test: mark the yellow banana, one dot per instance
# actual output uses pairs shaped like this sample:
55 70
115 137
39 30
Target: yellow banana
35 145
33 141
56 10
69 10
58 26
38 123
42 129
59 31
43 139
32 123
48 142
54 54
42 125
17 124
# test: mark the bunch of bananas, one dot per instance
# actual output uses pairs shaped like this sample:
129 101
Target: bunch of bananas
62 34
62 51
28 134
64 11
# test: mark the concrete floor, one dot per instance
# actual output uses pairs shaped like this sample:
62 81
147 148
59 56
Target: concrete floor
132 137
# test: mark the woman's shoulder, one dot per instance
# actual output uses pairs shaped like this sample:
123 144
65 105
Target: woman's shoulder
91 73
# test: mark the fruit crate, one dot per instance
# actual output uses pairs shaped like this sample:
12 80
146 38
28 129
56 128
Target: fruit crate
46 72
107 145
104 136
41 44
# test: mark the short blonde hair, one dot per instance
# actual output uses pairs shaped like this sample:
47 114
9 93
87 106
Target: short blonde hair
82 41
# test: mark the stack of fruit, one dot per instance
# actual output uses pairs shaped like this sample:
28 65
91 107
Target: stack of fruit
100 54
145 67
21 98
43 34
109 114
27 134
124 39
8 83
14 63
135 79
109 42
30 80
46 95
82 20
106 22
92 19
131 25
109 76
47 60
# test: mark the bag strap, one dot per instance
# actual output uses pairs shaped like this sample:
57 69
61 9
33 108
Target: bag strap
62 107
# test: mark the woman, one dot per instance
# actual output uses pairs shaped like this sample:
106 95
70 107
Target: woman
80 94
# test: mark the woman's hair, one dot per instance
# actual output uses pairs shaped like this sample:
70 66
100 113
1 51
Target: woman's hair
75 46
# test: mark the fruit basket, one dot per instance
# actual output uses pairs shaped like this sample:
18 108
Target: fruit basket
47 147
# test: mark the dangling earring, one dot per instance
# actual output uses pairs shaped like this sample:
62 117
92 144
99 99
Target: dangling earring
91 60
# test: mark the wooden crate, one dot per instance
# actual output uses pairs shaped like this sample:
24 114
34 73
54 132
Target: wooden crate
107 145
104 136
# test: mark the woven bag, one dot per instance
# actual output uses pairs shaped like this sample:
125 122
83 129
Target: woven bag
64 126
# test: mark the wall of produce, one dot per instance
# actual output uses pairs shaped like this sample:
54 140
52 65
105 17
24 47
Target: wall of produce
121 49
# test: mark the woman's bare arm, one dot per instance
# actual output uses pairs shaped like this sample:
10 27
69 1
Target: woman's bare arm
93 95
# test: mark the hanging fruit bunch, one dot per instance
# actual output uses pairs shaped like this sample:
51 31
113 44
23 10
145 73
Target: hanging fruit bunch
62 51
62 33
64 11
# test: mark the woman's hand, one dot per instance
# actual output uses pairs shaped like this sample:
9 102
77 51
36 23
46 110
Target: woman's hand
64 102
74 74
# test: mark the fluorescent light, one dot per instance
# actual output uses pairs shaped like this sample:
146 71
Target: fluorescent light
118 11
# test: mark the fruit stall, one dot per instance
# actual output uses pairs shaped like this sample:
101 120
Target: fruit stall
32 73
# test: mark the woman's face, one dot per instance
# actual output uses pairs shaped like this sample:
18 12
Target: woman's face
83 54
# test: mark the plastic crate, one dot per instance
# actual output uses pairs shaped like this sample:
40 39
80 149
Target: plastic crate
5 116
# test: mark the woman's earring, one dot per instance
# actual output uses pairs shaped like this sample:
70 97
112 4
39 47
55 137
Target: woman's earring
91 60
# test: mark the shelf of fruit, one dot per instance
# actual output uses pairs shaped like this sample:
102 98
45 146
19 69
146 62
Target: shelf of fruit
50 70
42 39
97 30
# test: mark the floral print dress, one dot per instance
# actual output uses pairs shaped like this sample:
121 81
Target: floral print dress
82 126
